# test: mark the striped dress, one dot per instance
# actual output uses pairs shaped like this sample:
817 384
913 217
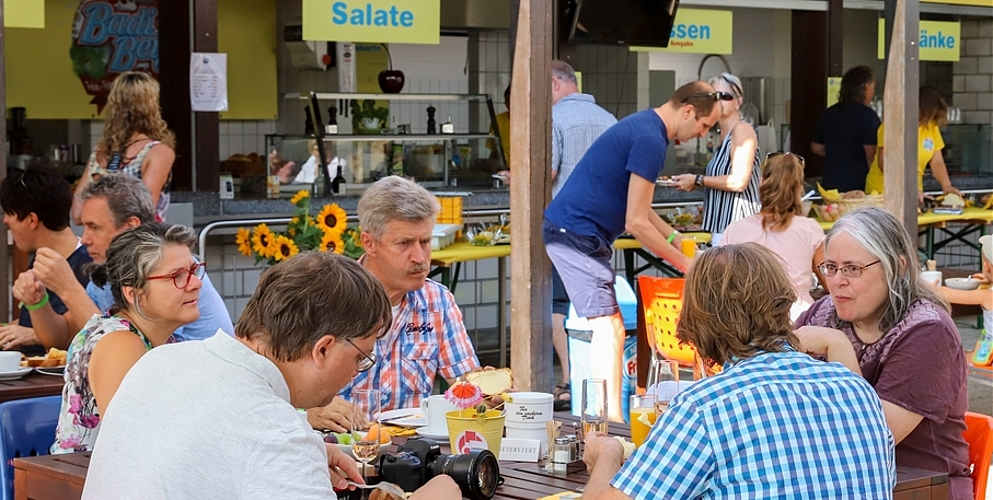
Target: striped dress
724 207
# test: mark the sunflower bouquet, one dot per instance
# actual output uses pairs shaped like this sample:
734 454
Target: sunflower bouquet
328 231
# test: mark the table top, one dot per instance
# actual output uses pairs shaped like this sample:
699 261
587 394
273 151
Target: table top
32 385
976 214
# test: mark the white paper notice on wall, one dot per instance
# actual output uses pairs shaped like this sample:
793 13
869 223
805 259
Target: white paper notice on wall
208 81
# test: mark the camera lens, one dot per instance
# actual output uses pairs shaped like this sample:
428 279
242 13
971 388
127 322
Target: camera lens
477 472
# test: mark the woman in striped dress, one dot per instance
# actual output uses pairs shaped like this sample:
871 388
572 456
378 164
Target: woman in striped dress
731 181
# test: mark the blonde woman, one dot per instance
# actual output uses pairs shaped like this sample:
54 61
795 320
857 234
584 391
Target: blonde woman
135 141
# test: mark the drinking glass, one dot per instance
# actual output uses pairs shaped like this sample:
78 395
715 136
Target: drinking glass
366 406
594 406
663 383
642 409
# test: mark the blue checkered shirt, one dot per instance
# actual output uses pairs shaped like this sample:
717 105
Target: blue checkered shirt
778 425
577 121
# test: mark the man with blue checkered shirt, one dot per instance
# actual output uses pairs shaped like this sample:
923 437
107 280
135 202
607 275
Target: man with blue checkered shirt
774 424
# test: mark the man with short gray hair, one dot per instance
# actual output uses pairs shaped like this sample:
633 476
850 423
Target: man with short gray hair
110 205
427 337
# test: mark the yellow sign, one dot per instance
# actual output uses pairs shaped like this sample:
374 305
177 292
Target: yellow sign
834 86
977 3
939 40
373 21
24 13
698 31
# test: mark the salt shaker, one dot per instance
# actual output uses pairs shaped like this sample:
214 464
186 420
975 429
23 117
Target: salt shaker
562 454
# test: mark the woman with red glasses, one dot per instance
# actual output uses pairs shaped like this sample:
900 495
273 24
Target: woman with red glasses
156 284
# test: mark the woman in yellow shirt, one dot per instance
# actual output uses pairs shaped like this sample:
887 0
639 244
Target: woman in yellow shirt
933 110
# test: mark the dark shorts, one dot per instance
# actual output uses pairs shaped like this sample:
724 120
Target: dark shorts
560 298
583 263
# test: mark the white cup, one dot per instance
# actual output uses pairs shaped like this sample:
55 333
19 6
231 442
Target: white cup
530 407
932 278
10 361
434 409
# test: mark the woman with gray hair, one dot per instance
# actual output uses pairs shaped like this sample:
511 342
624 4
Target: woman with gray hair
885 322
156 284
731 181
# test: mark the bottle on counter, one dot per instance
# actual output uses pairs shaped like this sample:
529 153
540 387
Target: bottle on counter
337 181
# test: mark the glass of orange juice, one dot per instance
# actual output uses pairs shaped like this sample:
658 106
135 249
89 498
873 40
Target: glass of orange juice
642 410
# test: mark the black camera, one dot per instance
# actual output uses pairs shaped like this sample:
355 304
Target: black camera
419 460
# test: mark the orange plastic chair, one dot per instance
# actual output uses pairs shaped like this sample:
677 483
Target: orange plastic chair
662 299
979 434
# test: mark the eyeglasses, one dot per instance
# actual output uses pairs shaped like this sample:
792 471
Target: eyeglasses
851 270
368 359
717 96
773 154
181 278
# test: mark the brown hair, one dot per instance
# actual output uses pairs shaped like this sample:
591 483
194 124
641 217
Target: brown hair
854 83
290 310
704 105
933 107
133 108
780 191
737 303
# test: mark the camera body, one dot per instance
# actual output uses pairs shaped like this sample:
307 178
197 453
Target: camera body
419 460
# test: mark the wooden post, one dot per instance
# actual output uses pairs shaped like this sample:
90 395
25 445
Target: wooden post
900 112
836 35
4 257
530 190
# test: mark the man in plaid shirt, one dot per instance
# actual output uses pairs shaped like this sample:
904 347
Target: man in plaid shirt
427 337
776 423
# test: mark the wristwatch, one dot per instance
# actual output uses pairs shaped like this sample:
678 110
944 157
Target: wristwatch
699 180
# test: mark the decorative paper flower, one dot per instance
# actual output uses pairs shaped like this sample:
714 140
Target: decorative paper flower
332 242
300 196
244 241
262 241
331 218
285 248
464 395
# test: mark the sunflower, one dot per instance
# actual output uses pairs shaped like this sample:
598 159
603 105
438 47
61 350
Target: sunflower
244 241
300 196
332 218
263 241
332 242
285 248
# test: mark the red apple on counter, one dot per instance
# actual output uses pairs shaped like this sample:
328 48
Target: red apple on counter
391 81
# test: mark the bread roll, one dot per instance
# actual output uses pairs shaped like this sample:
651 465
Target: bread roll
382 494
492 381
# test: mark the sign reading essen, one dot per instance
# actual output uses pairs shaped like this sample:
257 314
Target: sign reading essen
699 32
376 21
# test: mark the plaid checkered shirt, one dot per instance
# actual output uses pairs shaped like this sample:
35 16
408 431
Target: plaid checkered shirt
427 338
774 426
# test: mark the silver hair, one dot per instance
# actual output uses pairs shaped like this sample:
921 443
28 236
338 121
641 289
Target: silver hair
733 81
881 234
126 197
563 71
133 256
394 198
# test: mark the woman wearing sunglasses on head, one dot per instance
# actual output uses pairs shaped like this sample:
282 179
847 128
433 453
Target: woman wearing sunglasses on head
156 283
731 181
884 322
782 226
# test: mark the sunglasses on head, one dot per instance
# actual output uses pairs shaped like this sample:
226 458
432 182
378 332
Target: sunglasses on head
717 96
773 154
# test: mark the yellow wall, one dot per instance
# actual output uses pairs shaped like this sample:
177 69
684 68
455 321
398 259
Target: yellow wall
24 13
40 77
246 31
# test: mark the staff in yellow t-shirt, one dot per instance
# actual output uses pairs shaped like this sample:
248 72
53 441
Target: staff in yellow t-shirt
933 109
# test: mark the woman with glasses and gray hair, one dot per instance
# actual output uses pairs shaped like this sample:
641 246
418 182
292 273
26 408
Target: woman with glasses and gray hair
155 282
886 323
731 181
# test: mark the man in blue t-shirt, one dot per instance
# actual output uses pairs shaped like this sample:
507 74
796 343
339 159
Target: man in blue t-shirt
846 134
110 205
611 191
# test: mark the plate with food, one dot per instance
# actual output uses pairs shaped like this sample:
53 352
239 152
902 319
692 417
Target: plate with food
344 442
404 417
666 181
52 363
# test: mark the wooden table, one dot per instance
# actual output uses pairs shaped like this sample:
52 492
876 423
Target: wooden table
60 477
32 385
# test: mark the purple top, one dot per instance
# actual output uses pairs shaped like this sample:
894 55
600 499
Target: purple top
918 365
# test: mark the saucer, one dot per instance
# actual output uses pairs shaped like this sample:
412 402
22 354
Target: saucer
16 374
424 432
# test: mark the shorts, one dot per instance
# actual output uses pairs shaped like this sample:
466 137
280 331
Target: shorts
560 298
583 263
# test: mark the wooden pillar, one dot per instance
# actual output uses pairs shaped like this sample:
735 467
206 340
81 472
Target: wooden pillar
808 83
196 133
900 112
4 257
836 37
530 190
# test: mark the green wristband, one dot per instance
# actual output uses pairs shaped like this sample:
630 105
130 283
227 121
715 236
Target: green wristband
672 236
39 305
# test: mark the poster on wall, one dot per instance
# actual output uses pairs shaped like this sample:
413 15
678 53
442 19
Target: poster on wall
208 81
110 37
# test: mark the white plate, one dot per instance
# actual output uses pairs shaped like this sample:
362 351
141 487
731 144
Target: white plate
16 374
383 448
50 370
423 432
403 417
666 182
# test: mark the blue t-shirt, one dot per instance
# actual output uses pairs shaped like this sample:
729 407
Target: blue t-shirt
845 130
77 259
213 312
593 202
